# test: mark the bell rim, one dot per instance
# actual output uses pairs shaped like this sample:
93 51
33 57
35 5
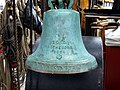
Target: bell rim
60 69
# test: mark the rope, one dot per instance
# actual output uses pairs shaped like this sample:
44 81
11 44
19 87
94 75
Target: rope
12 34
10 51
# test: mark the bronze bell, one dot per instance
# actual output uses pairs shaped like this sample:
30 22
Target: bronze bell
61 49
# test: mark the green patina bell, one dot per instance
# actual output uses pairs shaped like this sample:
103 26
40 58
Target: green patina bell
61 49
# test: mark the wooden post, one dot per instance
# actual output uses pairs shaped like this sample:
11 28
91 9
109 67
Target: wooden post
84 5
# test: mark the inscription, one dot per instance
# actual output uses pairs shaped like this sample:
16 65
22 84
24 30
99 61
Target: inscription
59 57
62 47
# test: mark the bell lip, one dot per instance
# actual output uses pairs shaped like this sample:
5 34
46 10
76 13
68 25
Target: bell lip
62 72
90 66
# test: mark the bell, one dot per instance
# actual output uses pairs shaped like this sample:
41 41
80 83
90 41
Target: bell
61 49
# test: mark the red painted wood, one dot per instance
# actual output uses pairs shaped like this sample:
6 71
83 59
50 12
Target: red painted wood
14 87
112 68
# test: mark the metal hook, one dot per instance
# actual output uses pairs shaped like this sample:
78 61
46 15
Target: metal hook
55 4
66 3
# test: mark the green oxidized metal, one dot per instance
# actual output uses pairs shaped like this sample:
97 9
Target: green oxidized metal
61 49
61 4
